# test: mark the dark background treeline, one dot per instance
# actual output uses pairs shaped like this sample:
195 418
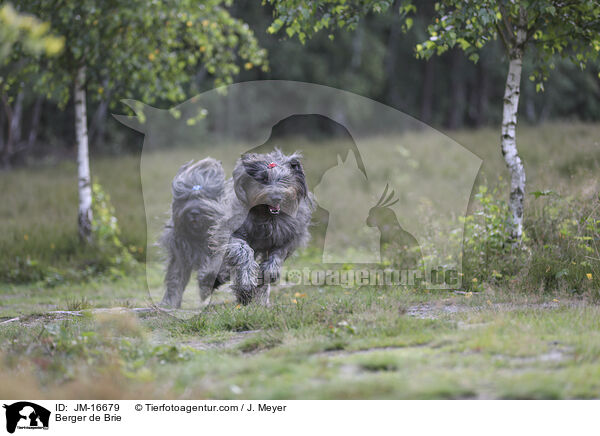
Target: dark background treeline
376 61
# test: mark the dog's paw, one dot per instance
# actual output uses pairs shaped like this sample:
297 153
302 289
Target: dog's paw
262 295
170 302
244 283
269 272
243 294
205 293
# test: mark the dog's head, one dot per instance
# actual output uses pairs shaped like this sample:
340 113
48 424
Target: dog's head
272 182
194 185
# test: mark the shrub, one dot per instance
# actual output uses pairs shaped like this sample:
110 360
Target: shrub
560 250
565 245
69 260
110 253
487 254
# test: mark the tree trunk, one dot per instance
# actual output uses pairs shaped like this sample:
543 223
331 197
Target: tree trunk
35 122
357 48
427 94
457 102
391 57
14 129
15 124
97 128
509 127
2 118
98 123
484 96
83 161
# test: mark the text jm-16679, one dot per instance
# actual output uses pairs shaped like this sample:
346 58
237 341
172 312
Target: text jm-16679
96 407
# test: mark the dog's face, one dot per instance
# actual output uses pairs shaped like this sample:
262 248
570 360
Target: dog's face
190 216
273 183
194 185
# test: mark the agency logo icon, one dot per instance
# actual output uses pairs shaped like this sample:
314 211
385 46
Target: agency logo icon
26 415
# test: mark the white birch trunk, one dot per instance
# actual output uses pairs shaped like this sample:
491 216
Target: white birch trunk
83 162
509 127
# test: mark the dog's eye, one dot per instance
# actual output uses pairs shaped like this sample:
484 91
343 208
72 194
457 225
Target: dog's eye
263 177
294 164
258 171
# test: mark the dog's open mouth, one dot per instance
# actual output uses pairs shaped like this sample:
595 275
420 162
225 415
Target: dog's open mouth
274 210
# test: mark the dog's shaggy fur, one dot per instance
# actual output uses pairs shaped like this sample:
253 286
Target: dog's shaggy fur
240 229
196 188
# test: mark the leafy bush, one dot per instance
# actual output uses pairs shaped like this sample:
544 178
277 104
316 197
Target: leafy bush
487 254
23 270
107 256
565 245
111 254
560 250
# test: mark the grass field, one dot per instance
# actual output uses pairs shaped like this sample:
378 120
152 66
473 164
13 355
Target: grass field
523 326
334 344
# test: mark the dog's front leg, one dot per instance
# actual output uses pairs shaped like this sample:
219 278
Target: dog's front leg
208 274
269 273
244 269
269 269
176 279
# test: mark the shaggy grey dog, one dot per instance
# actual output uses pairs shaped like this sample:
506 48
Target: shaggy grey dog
196 188
242 229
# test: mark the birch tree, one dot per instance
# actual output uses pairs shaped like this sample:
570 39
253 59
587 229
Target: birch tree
144 50
537 28
540 29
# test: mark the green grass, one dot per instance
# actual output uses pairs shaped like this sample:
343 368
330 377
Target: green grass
38 211
493 347
530 329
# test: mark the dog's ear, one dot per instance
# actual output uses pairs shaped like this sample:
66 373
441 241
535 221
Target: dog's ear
255 167
295 164
240 177
295 161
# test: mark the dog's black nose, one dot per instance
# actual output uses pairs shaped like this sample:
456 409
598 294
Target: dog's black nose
194 213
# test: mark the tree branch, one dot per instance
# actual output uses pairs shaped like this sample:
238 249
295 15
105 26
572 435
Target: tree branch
504 41
506 20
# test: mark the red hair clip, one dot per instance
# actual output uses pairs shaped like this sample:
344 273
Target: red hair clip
272 165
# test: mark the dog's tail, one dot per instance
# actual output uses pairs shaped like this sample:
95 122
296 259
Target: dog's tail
203 179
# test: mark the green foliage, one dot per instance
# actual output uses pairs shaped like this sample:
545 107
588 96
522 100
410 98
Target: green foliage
111 342
497 346
80 303
565 246
486 254
260 342
560 249
142 50
568 29
22 36
108 257
22 270
112 255
39 242
32 35
304 18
